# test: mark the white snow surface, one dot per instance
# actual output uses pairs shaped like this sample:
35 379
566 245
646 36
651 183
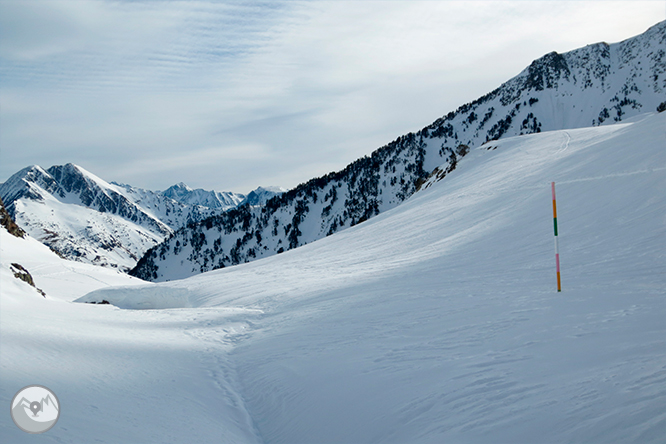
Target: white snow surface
60 279
437 321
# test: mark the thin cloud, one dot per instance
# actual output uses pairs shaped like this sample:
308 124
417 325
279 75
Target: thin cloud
140 91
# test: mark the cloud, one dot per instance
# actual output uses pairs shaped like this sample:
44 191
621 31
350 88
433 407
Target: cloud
35 30
234 95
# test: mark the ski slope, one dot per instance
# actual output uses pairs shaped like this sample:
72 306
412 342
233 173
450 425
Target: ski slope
437 321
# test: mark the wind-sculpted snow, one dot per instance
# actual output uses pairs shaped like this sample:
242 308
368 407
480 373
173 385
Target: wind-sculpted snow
436 321
591 86
141 298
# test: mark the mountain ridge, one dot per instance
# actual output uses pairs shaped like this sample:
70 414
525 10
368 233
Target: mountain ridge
590 86
84 218
182 193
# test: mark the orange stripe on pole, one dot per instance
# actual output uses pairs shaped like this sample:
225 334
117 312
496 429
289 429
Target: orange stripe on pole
554 209
557 245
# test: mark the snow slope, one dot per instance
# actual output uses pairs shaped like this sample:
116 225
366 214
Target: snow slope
437 321
61 279
119 378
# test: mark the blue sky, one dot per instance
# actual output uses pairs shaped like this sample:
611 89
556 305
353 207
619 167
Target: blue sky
234 95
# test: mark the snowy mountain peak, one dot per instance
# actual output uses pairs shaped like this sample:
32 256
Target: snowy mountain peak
73 174
178 189
27 182
70 182
210 199
262 194
85 218
546 72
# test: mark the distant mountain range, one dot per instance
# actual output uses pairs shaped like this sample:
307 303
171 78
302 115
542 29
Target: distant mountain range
595 85
85 218
209 199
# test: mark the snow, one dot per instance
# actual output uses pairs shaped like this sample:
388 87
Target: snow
209 199
436 321
148 297
101 223
260 195
61 279
103 239
119 378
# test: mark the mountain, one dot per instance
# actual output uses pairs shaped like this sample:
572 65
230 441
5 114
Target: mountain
435 322
199 197
87 219
591 86
61 279
262 195
216 199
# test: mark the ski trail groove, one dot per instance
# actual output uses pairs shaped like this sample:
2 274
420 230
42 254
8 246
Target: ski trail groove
219 335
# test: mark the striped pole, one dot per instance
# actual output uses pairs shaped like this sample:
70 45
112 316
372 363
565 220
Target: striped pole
557 246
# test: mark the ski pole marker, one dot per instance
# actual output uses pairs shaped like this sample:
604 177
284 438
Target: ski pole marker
557 246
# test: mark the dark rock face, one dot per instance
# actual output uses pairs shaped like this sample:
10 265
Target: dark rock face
21 273
70 180
546 72
9 224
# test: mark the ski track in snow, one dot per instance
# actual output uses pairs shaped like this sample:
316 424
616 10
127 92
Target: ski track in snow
437 321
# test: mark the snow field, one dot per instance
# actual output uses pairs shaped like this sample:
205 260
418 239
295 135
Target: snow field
132 379
437 321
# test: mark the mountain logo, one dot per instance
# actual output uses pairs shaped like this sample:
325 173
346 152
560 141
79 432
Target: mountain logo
35 409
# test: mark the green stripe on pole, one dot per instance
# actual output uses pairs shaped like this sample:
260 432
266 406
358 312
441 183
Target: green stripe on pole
555 225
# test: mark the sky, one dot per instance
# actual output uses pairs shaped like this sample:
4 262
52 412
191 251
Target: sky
235 95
